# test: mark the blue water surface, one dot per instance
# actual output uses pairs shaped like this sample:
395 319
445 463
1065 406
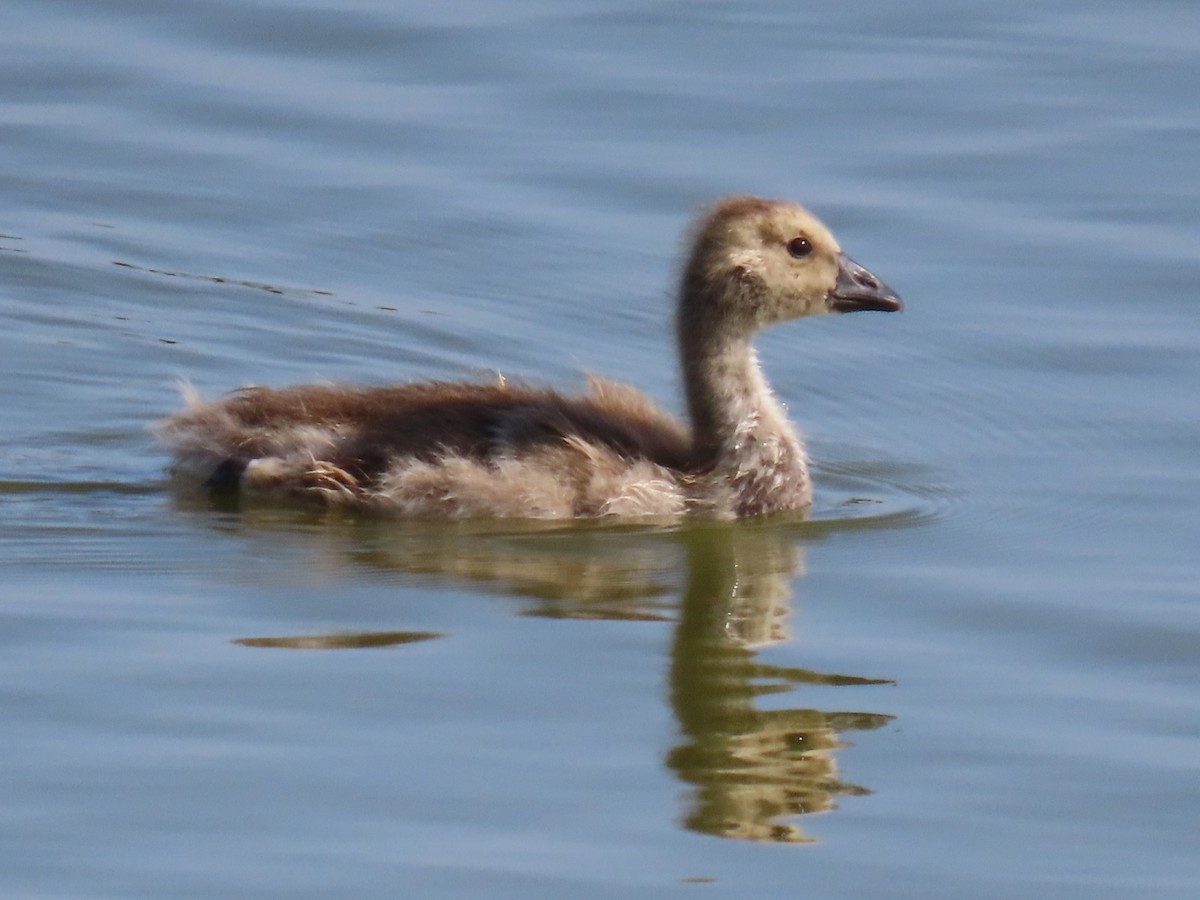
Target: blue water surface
970 674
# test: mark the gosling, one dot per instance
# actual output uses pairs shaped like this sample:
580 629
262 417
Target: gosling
501 449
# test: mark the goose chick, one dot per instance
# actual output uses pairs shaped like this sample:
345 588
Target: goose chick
503 449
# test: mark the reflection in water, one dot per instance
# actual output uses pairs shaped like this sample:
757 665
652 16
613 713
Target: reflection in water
751 769
341 640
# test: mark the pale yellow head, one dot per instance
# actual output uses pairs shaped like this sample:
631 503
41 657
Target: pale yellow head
755 262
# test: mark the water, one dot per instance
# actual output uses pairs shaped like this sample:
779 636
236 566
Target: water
971 674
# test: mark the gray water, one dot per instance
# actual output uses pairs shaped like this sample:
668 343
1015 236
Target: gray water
971 674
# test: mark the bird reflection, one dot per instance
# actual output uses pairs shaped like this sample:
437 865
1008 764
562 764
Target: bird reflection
340 640
752 772
751 769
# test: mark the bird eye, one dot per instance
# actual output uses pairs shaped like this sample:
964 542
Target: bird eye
799 247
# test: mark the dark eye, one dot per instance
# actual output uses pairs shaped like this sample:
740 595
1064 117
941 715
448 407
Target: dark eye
799 247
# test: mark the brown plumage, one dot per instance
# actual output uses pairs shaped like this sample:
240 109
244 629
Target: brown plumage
504 449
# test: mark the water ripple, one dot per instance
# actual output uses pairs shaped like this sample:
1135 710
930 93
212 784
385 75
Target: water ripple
860 494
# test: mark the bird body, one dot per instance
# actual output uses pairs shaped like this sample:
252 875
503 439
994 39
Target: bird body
504 449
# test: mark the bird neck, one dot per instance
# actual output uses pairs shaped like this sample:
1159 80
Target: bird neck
733 411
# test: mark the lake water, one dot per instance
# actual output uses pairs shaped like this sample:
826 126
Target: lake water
973 673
